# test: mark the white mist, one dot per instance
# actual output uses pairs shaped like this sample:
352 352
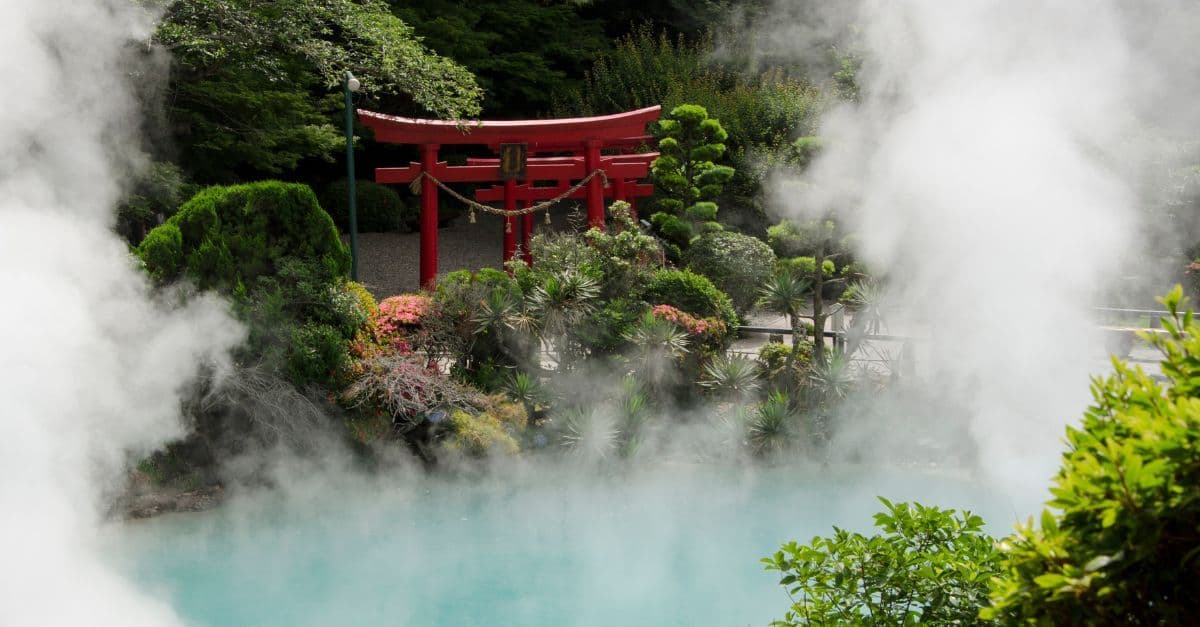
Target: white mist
90 368
987 168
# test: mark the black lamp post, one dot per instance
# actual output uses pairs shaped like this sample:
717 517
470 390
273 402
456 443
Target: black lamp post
351 85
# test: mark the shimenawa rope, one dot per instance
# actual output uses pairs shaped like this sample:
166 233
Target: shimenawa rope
415 186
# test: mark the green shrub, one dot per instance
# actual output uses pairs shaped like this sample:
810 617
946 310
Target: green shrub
366 300
301 323
380 209
806 267
162 252
318 354
928 566
672 229
1123 547
489 432
232 235
773 358
692 293
737 264
606 328
789 239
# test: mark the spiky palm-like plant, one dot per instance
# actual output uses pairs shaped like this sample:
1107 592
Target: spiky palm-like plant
526 390
588 433
772 425
731 375
786 293
832 380
560 304
658 345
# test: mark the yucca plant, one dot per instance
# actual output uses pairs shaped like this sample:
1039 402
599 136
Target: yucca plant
658 345
731 375
587 432
632 414
560 304
866 300
526 390
772 425
833 380
786 293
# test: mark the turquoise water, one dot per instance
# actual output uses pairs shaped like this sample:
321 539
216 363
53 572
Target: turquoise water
668 547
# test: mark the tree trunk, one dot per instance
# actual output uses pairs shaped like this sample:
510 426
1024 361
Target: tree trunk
797 337
819 314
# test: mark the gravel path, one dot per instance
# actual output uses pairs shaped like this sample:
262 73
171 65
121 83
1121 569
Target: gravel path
388 262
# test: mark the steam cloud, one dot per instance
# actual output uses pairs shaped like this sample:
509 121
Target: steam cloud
990 168
91 368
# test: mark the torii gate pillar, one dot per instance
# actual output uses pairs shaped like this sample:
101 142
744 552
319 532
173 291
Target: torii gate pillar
429 218
595 190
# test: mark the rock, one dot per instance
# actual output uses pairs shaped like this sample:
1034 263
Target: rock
156 503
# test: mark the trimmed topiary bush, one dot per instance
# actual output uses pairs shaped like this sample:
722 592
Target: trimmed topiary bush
692 293
229 236
672 229
806 267
737 264
789 239
380 209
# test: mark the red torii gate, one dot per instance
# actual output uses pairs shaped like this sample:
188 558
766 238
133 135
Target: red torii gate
583 138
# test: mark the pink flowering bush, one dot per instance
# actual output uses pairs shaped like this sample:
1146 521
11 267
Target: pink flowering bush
398 317
707 328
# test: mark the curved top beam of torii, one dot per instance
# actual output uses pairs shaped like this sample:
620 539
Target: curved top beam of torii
535 133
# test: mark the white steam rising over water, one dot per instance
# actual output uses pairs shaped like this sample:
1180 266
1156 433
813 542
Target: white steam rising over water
91 368
986 168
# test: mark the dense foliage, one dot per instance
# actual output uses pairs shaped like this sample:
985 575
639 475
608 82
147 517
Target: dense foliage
762 112
379 208
928 566
254 84
1121 544
525 55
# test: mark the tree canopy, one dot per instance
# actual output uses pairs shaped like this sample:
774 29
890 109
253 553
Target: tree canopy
253 86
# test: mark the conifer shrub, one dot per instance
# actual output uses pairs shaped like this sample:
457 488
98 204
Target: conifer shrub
228 236
806 267
162 252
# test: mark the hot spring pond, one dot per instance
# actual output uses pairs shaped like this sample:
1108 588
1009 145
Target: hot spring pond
677 547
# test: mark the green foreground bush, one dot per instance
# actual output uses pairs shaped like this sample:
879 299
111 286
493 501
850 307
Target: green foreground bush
929 566
271 248
1119 544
